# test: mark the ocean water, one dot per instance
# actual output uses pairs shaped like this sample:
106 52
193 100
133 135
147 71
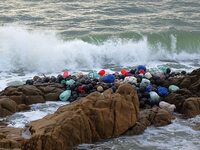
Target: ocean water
48 36
181 134
52 35
37 111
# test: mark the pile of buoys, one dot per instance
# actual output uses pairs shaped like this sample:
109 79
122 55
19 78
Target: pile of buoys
147 82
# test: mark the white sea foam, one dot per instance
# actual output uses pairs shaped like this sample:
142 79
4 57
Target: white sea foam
42 51
38 111
179 135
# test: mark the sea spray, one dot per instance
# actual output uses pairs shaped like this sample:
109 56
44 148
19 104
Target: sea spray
44 51
38 111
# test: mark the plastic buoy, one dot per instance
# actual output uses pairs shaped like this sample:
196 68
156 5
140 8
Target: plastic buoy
108 78
64 96
70 82
141 67
65 74
162 91
124 72
154 97
173 88
101 72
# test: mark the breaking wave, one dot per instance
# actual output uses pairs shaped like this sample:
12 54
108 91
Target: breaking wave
44 51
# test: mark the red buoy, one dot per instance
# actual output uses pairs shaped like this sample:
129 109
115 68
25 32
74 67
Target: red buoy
124 72
101 72
65 74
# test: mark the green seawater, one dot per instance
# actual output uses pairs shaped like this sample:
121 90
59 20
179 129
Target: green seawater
101 20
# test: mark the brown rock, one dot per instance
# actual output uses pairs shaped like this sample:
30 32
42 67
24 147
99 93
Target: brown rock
97 116
185 82
24 89
19 99
196 72
8 144
51 91
187 99
196 126
195 87
190 81
34 99
177 98
162 118
185 92
155 116
2 136
191 107
7 107
23 107
25 94
10 138
175 80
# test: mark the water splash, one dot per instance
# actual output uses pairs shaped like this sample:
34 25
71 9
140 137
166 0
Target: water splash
42 51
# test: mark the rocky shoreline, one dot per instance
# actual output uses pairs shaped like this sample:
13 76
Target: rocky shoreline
102 114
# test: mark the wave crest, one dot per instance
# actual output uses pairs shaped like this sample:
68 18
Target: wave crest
46 52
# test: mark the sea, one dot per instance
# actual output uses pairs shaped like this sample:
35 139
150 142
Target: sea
48 36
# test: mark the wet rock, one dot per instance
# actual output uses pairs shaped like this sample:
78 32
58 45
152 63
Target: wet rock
191 107
185 92
7 107
59 78
143 102
154 116
196 126
34 94
178 98
10 138
183 72
195 87
189 81
23 107
51 92
175 80
162 118
185 82
29 82
45 79
25 94
186 99
53 79
97 116
196 72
